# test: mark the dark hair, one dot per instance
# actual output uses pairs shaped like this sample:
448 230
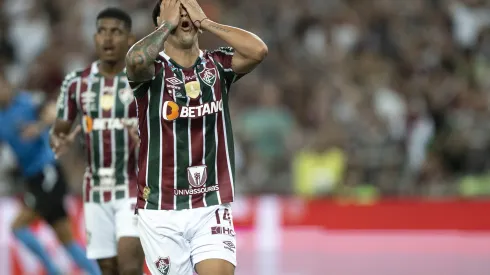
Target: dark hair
156 12
116 13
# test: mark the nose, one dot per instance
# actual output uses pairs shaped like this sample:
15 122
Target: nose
183 11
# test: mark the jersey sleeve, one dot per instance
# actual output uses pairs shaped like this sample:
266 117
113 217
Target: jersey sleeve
66 107
140 88
223 57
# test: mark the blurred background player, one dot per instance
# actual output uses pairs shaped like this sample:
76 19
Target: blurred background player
25 128
100 94
186 164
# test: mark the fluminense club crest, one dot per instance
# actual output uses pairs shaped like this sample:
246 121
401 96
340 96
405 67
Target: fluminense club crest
197 175
126 96
208 76
163 265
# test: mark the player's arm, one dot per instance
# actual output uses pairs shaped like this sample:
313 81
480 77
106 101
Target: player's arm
65 113
142 55
66 107
250 50
46 118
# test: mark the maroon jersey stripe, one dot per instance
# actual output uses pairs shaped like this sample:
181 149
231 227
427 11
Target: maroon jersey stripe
142 106
87 187
107 196
133 189
88 140
197 141
107 134
168 153
224 181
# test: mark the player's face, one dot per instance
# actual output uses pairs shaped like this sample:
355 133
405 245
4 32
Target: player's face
112 40
186 34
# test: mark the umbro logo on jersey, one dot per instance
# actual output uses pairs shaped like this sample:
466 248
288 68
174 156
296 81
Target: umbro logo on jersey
174 81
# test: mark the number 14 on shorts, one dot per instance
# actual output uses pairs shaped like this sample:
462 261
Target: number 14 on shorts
224 222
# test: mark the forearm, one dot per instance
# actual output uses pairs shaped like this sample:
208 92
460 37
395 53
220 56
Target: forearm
245 43
141 57
47 116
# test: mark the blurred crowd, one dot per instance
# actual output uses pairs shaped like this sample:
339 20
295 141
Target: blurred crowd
356 98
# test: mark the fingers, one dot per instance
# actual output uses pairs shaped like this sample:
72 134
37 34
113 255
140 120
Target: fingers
59 145
75 132
169 4
176 4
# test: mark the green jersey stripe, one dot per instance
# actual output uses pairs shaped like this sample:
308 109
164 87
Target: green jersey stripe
182 147
95 136
154 156
119 143
213 198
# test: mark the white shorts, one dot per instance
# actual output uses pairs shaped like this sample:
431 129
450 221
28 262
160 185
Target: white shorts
174 241
105 223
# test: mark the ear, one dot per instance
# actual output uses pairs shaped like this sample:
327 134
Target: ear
95 38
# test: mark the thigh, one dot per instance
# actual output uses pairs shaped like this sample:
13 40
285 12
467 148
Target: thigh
46 192
101 230
108 266
130 256
214 243
125 218
166 250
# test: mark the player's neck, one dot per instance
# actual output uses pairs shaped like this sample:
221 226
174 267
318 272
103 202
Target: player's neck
111 69
184 57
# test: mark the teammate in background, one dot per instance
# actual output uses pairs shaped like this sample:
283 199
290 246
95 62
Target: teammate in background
25 129
186 161
101 95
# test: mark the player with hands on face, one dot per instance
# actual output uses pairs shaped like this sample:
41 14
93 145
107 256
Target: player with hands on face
186 172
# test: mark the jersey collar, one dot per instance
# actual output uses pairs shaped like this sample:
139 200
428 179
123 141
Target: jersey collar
169 59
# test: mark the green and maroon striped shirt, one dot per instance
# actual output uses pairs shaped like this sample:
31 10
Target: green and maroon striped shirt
187 157
105 106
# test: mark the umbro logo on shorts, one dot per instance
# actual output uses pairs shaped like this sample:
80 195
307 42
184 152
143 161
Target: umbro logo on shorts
230 246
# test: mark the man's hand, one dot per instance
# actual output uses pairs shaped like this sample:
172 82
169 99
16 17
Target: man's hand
141 57
32 130
60 143
170 12
195 12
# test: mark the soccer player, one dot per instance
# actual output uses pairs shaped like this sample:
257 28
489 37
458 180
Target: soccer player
101 96
25 129
186 161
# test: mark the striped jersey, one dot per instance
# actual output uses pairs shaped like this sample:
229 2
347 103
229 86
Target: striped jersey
106 106
186 157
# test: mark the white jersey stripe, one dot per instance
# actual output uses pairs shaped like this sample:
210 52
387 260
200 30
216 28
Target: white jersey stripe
149 138
101 137
113 133
160 165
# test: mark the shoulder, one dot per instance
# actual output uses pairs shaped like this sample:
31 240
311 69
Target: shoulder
76 74
222 56
223 50
72 77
